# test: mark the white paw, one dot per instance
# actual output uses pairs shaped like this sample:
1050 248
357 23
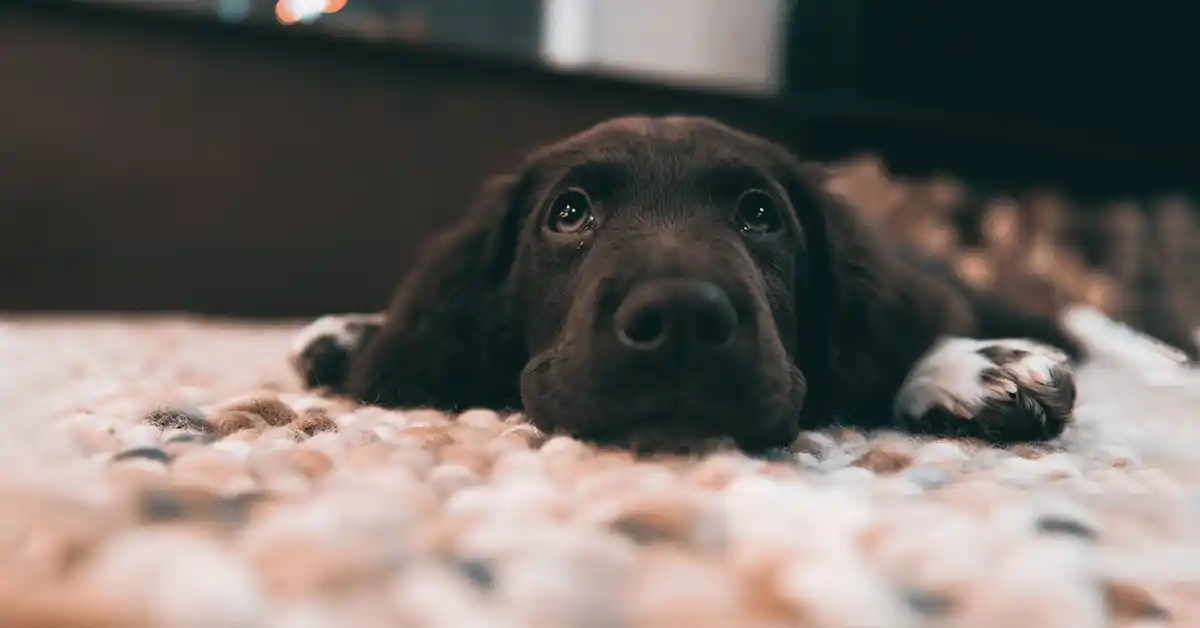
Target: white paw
320 352
1000 390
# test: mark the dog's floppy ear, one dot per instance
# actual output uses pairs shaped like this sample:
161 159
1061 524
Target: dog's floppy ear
864 312
451 337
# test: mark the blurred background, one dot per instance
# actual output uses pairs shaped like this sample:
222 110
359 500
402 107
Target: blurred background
283 158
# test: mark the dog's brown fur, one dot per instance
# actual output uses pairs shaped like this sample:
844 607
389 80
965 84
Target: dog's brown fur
497 314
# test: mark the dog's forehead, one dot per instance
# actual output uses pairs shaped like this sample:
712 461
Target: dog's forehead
677 143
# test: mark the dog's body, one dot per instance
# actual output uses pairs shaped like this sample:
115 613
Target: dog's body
658 282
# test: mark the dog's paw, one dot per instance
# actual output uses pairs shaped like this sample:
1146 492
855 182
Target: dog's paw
320 353
999 390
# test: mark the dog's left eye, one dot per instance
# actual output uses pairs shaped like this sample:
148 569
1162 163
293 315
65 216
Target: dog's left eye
756 213
570 213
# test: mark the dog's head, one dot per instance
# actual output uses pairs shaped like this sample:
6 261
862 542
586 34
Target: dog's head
649 282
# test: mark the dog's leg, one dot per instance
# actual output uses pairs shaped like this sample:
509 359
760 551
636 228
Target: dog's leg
1000 390
320 352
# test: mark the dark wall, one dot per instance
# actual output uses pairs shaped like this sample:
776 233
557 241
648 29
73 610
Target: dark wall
1116 73
160 163
1104 67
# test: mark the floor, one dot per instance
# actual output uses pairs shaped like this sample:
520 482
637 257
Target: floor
253 503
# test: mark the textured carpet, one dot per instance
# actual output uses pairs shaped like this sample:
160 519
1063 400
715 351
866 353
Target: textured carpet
170 472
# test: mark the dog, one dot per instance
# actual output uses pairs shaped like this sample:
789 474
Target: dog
662 282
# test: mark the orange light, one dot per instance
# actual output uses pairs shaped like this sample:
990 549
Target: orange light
287 15
283 12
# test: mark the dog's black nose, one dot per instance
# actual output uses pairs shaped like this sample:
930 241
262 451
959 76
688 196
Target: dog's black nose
683 312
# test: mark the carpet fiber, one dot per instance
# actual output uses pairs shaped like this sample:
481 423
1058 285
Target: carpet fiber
170 472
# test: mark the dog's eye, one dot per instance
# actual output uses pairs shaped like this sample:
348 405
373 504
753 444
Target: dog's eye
756 213
570 213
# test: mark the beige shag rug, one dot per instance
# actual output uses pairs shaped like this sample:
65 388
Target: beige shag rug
170 472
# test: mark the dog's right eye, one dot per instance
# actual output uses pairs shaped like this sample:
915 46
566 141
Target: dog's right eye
757 213
571 212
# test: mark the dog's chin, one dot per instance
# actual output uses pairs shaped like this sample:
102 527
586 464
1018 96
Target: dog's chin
752 409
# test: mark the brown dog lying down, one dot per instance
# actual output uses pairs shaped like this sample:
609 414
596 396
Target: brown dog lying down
661 283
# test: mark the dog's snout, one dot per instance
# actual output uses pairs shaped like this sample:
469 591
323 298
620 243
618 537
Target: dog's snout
683 313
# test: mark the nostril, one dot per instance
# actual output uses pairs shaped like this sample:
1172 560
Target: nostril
644 329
